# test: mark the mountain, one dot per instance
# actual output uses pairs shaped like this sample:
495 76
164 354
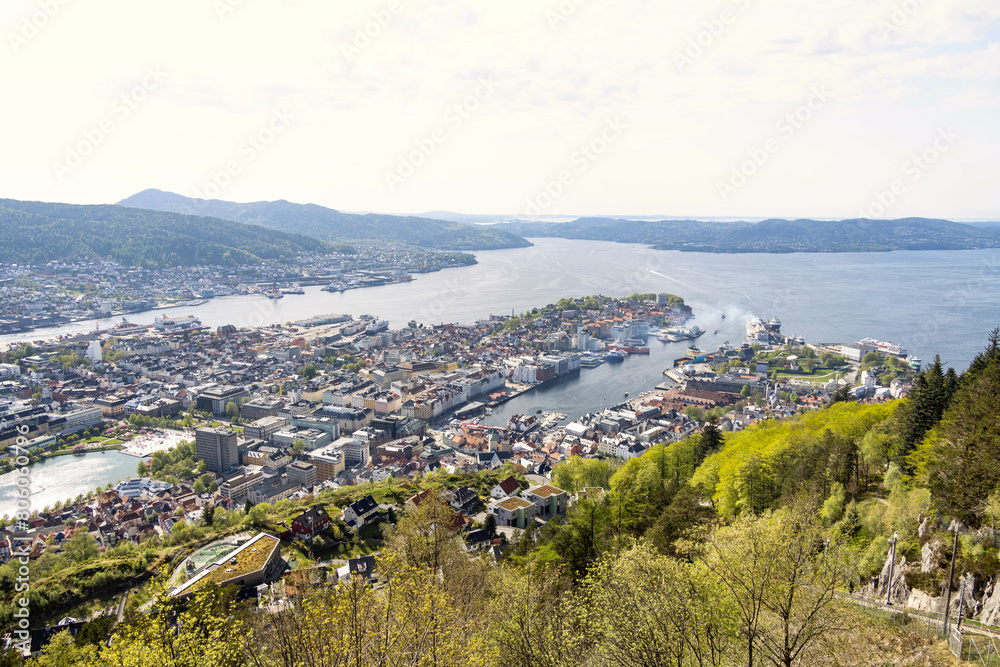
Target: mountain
38 232
857 235
331 225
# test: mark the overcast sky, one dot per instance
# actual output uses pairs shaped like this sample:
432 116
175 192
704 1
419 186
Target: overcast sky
585 107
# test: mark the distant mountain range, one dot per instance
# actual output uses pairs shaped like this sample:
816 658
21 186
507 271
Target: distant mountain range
331 225
38 232
772 236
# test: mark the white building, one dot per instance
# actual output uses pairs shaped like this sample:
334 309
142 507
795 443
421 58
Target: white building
94 352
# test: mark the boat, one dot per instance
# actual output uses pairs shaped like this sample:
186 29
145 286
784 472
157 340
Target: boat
632 346
615 355
715 332
723 316
883 346
757 326
626 394
126 328
275 295
377 327
590 360
174 325
294 289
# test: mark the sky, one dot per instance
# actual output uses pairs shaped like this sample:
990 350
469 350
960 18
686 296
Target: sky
520 108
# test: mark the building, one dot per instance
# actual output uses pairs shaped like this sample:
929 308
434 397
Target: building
302 473
260 408
514 511
214 400
254 562
360 513
311 522
550 500
217 448
505 489
237 486
264 428
328 462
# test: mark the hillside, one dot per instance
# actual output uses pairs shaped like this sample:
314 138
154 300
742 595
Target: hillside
776 236
331 225
38 232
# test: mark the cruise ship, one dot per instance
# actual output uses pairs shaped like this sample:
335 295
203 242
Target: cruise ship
631 346
883 346
174 325
377 326
126 328
677 334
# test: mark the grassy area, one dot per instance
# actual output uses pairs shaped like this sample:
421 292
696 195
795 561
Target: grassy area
820 374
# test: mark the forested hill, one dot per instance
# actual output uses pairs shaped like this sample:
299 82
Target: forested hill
858 235
331 225
38 232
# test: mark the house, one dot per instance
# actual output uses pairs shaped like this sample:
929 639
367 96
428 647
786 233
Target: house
310 522
505 489
360 512
550 500
514 511
464 500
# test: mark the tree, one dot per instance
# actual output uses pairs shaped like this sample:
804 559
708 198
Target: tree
491 524
693 412
247 506
780 584
232 410
309 372
298 445
81 547
208 513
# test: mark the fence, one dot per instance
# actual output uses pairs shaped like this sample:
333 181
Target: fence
976 644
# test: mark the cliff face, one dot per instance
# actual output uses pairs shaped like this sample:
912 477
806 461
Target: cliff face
981 599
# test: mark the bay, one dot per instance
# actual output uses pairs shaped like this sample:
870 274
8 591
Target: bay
931 302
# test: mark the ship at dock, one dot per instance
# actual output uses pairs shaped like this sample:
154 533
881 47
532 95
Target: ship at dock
615 355
632 346
177 325
677 334
883 346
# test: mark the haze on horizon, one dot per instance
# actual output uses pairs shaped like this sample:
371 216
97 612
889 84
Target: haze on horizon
408 106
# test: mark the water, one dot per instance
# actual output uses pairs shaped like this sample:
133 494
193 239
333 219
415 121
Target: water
65 477
933 302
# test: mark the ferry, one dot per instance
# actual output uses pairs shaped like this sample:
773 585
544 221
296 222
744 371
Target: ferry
174 325
590 360
377 326
126 328
882 346
294 289
615 355
631 346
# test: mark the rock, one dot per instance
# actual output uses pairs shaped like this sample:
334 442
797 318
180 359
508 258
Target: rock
972 606
957 526
990 613
900 590
929 554
927 526
924 602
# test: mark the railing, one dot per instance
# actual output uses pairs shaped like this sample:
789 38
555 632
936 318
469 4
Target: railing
975 642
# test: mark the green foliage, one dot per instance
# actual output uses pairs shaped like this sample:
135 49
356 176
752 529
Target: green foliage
37 232
763 466
330 225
